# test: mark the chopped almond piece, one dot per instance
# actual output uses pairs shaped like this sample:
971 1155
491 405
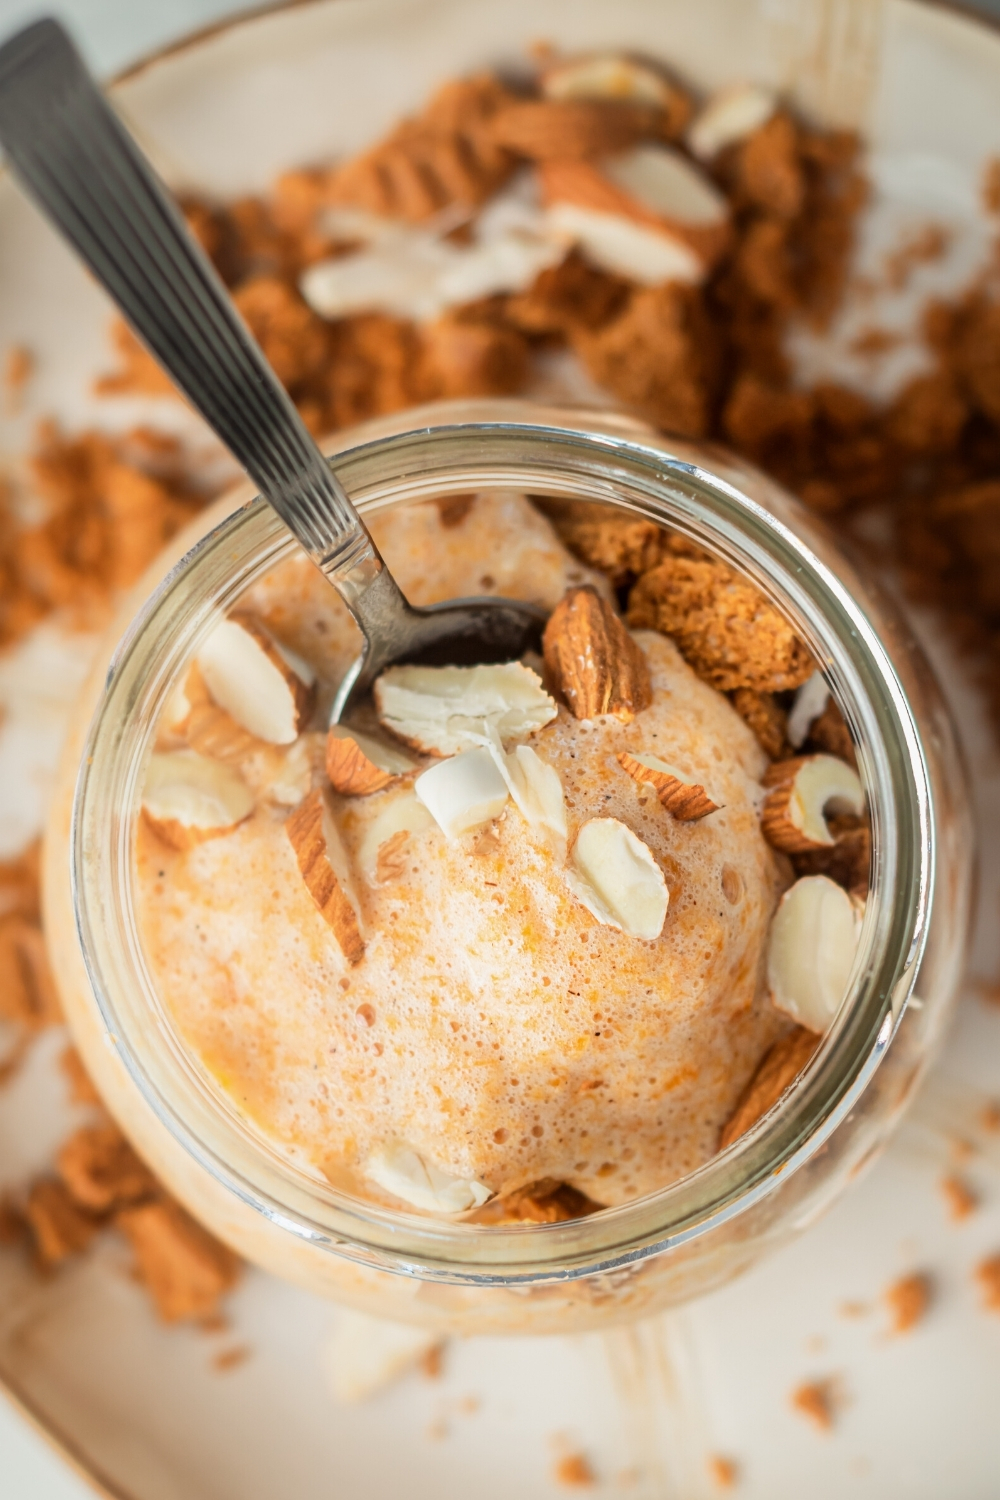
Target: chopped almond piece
908 1301
959 1198
58 1226
777 1070
613 76
686 800
801 790
724 627
811 946
314 838
592 661
463 792
358 765
101 1171
185 1269
816 1400
729 117
614 875
442 710
262 685
189 798
988 1276
646 213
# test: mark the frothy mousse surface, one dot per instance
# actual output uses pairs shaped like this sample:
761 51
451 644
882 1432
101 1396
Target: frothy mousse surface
493 1026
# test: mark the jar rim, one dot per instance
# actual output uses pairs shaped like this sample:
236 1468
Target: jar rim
516 445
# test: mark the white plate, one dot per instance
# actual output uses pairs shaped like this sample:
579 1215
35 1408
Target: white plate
142 1407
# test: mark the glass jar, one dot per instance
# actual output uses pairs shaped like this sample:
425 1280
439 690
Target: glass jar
623 1262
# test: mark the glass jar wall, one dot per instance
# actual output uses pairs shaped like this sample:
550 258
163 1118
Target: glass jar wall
621 1262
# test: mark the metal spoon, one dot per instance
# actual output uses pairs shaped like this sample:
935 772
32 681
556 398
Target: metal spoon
88 176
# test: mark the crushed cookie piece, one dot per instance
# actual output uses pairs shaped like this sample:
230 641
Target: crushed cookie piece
185 1269
723 1472
829 733
101 1170
574 1471
453 509
466 356
847 860
767 169
620 545
81 1088
447 155
959 1198
567 298
817 1401
59 1227
19 885
660 355
766 718
564 130
27 991
724 628
13 1225
923 247
137 373
547 1202
778 1068
908 1301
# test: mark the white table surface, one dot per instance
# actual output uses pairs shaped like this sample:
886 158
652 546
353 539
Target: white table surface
112 33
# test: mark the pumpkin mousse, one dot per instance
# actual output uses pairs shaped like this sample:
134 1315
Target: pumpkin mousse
506 948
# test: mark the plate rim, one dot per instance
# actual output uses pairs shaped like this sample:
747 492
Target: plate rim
55 1438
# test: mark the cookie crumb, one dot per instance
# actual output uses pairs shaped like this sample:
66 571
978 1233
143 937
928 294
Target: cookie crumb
574 1471
987 1273
908 1301
722 1471
853 1309
18 368
101 1170
817 1401
231 1359
989 1116
59 1227
960 1200
431 1363
185 1269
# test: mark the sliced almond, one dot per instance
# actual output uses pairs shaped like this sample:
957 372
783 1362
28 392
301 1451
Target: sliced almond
686 800
188 798
592 661
651 188
802 791
463 792
616 877
209 729
441 710
777 1070
811 946
357 764
616 244
537 790
729 117
265 687
401 818
323 866
404 1172
810 701
609 75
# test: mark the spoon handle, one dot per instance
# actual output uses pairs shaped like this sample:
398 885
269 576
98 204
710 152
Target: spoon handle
88 176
